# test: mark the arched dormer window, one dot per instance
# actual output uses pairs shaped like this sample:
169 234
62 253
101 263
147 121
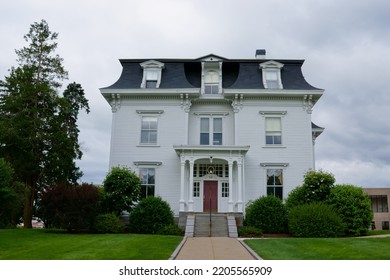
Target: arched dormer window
271 74
152 74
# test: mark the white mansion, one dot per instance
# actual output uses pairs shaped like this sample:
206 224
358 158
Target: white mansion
211 133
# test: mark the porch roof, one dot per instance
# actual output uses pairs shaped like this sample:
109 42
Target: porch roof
210 150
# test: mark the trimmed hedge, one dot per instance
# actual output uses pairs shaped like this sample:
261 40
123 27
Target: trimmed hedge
267 213
150 215
315 220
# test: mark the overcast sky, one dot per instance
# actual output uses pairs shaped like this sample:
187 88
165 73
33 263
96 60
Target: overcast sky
345 44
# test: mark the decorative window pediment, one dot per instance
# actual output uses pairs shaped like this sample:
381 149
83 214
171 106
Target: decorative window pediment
271 74
152 73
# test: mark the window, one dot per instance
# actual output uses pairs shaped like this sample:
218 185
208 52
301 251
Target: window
211 131
225 189
379 203
151 79
271 74
271 79
385 225
211 85
152 74
147 176
196 189
275 182
273 131
221 170
149 130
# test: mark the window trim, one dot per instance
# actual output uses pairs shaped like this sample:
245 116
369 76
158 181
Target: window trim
149 113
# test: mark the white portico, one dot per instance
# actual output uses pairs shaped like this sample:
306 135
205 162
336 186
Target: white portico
211 178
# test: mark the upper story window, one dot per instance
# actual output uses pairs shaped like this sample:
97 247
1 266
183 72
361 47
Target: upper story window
211 84
152 74
211 76
273 130
210 131
271 74
149 126
149 130
379 203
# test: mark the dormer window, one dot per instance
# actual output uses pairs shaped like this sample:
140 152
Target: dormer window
211 83
271 74
211 76
152 74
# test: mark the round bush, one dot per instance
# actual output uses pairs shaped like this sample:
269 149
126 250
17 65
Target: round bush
108 223
267 213
150 215
354 207
314 220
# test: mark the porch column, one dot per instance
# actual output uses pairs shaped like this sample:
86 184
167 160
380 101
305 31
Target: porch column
191 196
230 209
182 173
239 182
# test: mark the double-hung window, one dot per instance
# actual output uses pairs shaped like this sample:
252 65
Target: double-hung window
211 131
275 182
151 79
147 176
211 85
273 131
149 130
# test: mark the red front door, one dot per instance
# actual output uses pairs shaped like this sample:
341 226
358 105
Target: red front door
210 196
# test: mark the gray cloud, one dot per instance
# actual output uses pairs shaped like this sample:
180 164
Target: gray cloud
345 44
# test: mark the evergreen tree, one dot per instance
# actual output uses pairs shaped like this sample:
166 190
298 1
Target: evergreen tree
38 129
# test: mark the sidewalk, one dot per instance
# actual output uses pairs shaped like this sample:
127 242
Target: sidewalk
213 248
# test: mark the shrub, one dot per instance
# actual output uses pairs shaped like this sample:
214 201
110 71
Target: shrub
267 213
354 207
150 215
316 188
70 207
247 231
122 189
314 220
170 230
108 223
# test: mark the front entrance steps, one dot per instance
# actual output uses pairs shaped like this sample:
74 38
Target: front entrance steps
214 225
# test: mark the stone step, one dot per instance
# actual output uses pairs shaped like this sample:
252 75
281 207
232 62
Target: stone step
219 225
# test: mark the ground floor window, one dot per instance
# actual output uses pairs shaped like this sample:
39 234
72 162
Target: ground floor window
275 182
385 225
379 203
196 189
147 176
225 189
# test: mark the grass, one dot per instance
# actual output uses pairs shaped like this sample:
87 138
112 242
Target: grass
37 244
321 248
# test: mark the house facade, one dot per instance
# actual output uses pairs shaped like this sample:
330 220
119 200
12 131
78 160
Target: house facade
211 134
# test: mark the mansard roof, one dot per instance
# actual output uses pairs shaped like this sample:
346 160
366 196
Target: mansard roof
236 73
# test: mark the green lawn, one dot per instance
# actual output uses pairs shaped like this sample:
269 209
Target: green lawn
322 248
37 244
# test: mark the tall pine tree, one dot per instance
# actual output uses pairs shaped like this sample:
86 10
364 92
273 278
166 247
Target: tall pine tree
38 128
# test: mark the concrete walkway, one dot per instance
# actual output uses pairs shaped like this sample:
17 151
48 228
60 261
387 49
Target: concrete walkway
213 248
